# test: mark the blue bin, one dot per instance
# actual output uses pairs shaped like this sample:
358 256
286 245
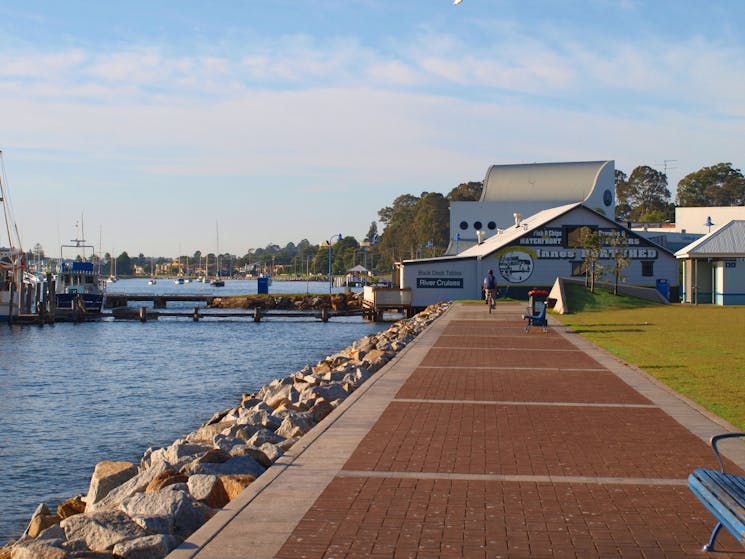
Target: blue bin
263 285
663 286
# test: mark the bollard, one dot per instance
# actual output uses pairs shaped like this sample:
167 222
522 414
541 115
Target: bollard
324 314
195 317
257 314
143 314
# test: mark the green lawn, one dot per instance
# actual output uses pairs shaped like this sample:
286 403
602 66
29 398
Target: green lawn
698 351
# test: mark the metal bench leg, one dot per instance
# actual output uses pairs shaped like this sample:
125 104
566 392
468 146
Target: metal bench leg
710 546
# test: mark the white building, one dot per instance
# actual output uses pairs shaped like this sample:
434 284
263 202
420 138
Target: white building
714 266
527 189
531 253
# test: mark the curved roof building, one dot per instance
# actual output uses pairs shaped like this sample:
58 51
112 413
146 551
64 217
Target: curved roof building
570 182
526 189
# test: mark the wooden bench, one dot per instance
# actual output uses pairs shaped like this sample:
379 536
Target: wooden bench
723 494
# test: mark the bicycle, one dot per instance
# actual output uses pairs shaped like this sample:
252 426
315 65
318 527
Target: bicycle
491 299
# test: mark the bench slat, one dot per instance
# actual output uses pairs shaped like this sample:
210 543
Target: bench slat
724 496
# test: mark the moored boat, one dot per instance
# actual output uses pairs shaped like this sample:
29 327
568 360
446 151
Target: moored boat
12 259
79 287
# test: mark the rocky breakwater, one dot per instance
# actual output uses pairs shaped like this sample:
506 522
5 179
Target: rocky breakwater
143 511
336 302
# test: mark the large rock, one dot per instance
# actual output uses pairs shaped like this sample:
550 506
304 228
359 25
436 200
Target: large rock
147 547
41 519
295 425
106 476
164 479
265 436
137 484
235 484
71 507
236 465
101 531
37 550
171 502
180 453
208 489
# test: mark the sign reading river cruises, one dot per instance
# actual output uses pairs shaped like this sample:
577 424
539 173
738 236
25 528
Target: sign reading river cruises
440 283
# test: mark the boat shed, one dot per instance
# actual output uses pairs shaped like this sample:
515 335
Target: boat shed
532 253
714 267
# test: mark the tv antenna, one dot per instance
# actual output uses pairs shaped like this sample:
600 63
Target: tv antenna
666 165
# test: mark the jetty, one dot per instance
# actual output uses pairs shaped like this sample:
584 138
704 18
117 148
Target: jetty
113 300
144 314
482 440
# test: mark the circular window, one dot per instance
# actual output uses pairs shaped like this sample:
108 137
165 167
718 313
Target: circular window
607 197
491 225
477 225
463 225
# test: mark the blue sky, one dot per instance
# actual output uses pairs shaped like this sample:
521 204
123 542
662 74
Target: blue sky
289 119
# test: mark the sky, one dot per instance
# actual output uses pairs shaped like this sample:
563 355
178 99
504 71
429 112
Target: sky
171 126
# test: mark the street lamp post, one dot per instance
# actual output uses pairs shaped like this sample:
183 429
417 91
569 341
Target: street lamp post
331 278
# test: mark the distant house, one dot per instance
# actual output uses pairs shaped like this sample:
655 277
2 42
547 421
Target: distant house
714 267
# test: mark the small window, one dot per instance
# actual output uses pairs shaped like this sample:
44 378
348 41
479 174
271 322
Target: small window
491 225
464 225
578 268
477 225
648 268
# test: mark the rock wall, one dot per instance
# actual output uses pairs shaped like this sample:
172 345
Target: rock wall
337 302
146 510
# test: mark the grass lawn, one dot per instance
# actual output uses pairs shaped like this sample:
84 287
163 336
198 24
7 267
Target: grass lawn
698 351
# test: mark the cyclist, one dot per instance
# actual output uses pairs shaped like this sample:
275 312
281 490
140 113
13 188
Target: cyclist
490 287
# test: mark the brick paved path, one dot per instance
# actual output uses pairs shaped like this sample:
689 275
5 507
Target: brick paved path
497 443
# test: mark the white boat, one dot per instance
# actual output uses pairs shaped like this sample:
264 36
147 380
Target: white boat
79 284
12 259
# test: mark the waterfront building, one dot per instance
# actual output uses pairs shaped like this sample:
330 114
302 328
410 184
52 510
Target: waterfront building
533 251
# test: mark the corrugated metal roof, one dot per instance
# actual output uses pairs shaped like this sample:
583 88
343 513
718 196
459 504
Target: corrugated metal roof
542 181
727 241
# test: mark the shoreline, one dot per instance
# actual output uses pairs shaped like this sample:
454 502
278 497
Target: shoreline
151 507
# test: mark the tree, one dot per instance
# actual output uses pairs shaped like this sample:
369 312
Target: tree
466 192
646 192
372 233
592 242
619 245
124 264
623 208
717 185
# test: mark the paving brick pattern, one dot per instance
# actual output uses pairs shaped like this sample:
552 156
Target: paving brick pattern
519 385
507 444
410 518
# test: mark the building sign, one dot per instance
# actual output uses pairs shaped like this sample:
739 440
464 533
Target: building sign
516 265
566 243
440 279
440 283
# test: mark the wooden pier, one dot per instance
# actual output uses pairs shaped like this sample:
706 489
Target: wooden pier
114 300
144 314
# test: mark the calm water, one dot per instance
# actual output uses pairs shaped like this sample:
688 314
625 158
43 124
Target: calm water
72 395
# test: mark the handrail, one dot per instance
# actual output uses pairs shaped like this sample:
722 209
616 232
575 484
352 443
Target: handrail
714 441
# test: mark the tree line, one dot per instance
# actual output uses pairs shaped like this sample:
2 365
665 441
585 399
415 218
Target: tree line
419 227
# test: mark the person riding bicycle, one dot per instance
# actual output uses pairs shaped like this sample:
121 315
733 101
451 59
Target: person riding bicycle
490 286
